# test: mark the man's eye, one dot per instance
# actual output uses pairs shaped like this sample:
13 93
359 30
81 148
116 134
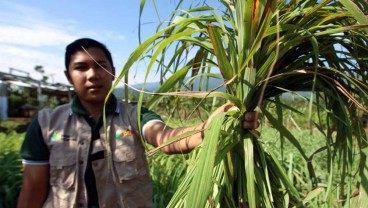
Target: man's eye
80 67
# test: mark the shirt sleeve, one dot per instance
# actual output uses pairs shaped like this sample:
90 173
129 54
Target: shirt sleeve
34 149
148 116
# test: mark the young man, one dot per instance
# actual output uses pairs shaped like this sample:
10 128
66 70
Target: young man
68 161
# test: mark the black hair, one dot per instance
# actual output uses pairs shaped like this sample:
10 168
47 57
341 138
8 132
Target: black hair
76 46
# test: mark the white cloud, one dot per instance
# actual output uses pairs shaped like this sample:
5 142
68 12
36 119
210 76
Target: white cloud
30 36
18 12
26 59
36 36
29 26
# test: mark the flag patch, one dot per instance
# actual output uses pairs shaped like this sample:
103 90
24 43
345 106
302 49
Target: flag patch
124 133
56 136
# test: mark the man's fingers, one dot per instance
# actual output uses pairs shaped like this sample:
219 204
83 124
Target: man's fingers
250 124
251 116
226 107
251 120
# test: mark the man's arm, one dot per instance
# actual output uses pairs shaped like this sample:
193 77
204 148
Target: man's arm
35 186
157 133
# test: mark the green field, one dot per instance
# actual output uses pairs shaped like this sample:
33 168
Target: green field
167 171
10 168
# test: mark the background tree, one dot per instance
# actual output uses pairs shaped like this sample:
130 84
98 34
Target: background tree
39 69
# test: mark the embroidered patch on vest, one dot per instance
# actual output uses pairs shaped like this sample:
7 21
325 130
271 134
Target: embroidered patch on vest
124 133
56 136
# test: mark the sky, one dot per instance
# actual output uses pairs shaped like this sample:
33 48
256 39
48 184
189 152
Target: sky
36 32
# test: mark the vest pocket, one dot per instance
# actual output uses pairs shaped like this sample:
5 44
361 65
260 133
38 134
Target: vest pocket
129 165
63 170
132 173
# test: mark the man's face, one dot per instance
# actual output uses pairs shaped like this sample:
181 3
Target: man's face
91 82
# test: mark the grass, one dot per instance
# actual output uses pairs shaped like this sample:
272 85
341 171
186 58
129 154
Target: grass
166 180
262 49
9 126
168 171
10 168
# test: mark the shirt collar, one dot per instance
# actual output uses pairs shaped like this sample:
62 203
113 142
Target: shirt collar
78 108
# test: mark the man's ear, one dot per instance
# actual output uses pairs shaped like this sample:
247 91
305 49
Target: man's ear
68 76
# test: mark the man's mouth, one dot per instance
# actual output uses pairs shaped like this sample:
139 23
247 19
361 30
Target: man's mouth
94 87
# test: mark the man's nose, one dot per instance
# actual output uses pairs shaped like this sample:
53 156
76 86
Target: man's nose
93 72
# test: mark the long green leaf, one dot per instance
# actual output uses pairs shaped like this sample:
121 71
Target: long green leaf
356 12
200 187
249 170
223 62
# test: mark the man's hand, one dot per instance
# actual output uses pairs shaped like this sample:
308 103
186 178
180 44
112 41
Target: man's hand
157 133
250 119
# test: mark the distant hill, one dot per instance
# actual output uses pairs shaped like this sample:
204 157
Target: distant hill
154 86
212 84
151 87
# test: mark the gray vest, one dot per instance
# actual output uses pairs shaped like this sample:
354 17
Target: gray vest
122 176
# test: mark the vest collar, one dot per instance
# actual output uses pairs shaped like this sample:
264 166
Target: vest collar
77 107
